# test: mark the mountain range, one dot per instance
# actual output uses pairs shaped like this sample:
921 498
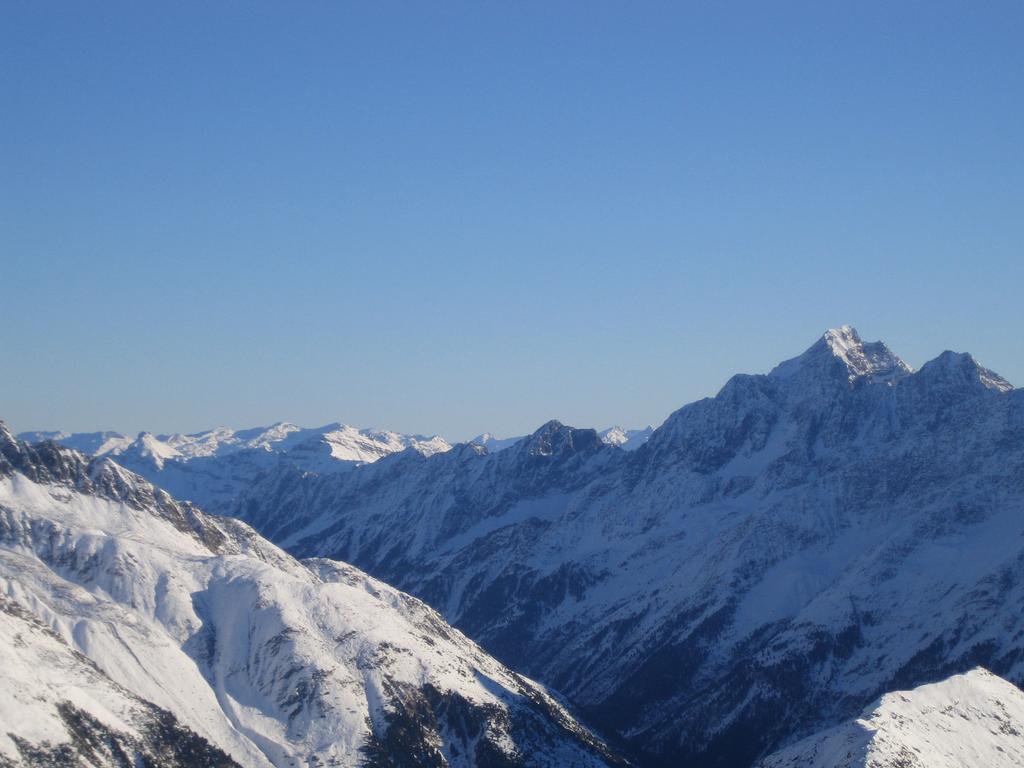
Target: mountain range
211 468
753 582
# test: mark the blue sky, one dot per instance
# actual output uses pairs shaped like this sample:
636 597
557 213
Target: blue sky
457 217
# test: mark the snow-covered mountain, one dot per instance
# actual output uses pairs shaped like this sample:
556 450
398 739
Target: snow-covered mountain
136 630
973 719
210 468
768 563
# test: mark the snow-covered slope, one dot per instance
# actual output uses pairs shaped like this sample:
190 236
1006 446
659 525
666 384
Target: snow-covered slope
967 721
768 563
133 624
58 708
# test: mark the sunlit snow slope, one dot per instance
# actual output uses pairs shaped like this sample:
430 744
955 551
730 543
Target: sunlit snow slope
972 720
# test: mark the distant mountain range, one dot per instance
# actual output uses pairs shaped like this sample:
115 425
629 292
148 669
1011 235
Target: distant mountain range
339 441
211 468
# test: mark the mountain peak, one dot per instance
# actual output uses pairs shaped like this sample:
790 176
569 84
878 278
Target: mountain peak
554 438
842 350
6 436
842 339
149 447
960 368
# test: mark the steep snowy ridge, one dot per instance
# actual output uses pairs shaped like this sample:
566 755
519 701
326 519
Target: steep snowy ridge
136 622
768 563
973 719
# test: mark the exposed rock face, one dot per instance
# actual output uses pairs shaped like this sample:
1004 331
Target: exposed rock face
136 630
769 562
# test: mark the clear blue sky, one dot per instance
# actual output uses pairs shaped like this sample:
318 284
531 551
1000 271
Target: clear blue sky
457 217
